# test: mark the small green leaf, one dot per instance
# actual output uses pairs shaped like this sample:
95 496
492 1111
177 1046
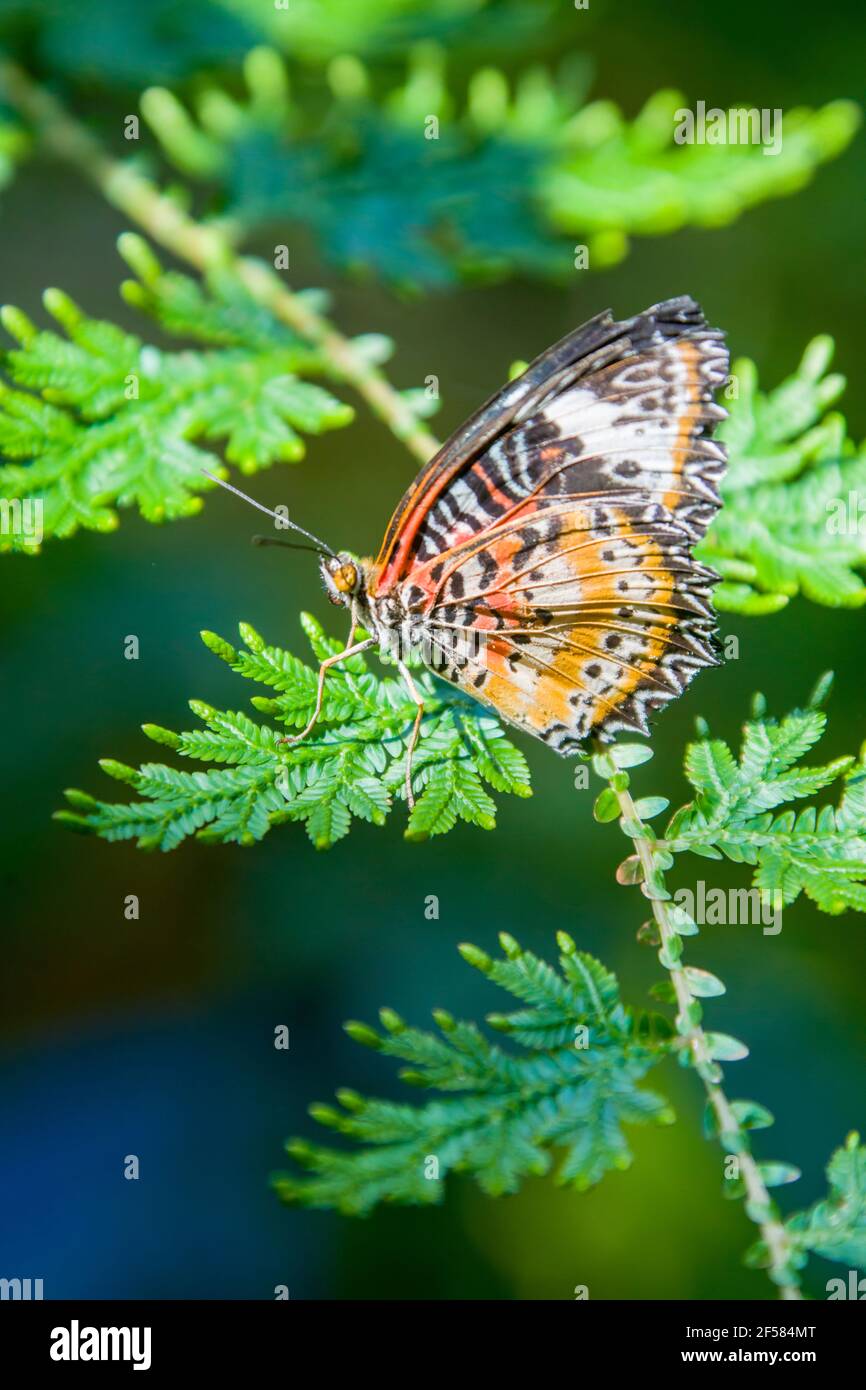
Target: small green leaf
724 1048
702 983
649 806
777 1174
474 956
630 754
648 933
606 806
751 1115
671 953
361 1033
630 871
682 923
159 735
654 887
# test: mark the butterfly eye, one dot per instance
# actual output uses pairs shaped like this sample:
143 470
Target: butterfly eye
345 579
341 579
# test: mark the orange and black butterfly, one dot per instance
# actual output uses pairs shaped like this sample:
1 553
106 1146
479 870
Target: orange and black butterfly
541 561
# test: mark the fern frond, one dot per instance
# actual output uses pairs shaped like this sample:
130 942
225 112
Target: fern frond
612 178
572 1088
835 1227
737 812
424 190
791 520
95 419
351 766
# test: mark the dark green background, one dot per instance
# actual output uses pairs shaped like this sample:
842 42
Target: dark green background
155 1037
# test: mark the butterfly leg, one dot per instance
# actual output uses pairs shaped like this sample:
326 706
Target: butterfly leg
329 661
416 727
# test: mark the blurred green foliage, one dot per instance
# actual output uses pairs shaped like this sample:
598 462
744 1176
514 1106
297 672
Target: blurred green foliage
416 184
14 145
574 1086
120 46
163 40
835 1227
420 170
381 30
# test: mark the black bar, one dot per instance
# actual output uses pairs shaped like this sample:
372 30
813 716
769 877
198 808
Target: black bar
228 1337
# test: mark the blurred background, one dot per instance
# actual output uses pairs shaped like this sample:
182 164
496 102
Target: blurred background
155 1037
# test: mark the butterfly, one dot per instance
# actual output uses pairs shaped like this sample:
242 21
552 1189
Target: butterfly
542 560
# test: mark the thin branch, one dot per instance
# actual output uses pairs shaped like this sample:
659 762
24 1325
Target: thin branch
206 247
759 1207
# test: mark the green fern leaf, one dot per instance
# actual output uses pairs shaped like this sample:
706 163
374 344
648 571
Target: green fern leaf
791 520
821 853
835 1227
95 419
352 765
572 1089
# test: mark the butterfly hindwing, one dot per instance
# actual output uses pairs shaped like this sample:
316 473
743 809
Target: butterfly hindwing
587 634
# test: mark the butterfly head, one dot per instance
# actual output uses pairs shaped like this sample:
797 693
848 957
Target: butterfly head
342 578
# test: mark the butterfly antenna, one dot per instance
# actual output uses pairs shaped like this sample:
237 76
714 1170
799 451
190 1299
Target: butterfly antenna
286 545
283 521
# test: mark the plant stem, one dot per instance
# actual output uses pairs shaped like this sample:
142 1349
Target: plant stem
205 247
759 1207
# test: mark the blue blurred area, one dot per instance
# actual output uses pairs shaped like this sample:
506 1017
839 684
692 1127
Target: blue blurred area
154 1036
196 1097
